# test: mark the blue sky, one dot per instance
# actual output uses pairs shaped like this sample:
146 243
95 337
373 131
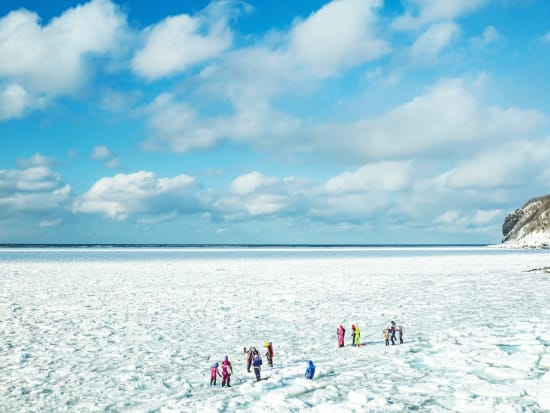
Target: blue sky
345 121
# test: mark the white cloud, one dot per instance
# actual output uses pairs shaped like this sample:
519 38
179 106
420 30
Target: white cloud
36 160
546 38
14 101
36 189
249 183
507 165
52 58
477 221
100 152
103 153
435 39
382 176
339 35
421 12
141 192
490 35
49 223
446 118
180 42
178 126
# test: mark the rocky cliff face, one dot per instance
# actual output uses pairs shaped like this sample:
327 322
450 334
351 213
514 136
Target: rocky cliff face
528 226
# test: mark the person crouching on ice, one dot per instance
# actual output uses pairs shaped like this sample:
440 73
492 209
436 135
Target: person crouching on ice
214 373
269 353
341 334
227 370
257 363
310 371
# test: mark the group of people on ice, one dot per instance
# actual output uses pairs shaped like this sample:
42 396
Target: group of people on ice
389 333
227 371
253 360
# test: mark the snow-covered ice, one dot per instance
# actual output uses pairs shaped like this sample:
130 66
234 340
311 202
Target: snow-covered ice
137 330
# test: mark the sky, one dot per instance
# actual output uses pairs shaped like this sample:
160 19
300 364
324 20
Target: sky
268 122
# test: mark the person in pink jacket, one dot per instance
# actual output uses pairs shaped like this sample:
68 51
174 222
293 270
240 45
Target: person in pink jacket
214 373
227 370
341 331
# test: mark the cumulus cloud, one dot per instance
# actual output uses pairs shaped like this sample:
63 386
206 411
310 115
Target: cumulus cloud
139 193
436 38
38 62
381 176
33 190
249 183
52 58
477 221
447 117
36 160
507 165
103 153
15 101
422 12
177 126
255 195
340 35
180 42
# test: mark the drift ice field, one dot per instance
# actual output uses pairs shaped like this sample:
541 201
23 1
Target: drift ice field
136 330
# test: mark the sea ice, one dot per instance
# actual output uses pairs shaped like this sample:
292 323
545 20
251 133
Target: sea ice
137 331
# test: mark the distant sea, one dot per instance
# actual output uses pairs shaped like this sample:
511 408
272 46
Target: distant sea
162 252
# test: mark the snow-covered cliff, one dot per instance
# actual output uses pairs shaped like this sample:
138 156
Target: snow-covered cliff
528 226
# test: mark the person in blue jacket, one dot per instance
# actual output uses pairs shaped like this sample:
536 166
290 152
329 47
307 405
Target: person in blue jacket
257 363
310 371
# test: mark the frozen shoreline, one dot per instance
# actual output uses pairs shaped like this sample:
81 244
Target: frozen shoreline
141 335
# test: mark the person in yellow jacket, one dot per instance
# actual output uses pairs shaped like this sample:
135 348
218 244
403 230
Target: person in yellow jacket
356 335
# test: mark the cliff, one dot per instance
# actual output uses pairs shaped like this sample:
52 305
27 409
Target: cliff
528 226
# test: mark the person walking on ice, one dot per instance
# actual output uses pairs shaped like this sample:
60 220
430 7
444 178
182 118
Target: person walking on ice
227 370
400 329
393 330
214 373
310 370
341 331
257 363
